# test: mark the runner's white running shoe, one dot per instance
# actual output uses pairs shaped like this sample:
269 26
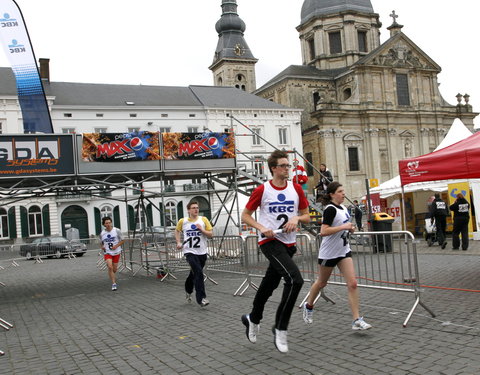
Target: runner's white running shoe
360 324
280 340
252 328
307 314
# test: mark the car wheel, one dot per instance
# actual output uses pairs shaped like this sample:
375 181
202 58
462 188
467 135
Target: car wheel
28 255
58 254
79 254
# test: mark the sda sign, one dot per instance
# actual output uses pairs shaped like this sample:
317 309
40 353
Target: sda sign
38 155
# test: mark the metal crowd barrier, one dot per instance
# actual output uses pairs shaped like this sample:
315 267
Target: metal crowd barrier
256 263
384 260
225 254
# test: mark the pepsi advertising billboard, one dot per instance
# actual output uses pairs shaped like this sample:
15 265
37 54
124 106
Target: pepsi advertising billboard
119 147
36 155
195 146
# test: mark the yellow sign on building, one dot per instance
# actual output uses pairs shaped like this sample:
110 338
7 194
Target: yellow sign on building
373 182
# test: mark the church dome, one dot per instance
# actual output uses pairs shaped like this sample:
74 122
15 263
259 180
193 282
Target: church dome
230 22
315 8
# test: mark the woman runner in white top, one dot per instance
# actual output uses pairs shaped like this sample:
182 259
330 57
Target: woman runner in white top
335 251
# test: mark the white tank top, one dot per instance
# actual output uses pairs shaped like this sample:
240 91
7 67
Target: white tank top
194 241
336 245
276 209
111 238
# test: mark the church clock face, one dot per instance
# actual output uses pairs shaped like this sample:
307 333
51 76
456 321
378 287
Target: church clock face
239 50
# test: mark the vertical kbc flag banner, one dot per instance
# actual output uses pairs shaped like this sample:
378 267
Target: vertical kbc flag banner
16 44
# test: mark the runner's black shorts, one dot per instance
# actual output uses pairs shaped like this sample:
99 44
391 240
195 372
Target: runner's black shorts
333 262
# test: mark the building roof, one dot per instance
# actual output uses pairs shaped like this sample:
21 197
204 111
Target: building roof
303 72
315 8
116 95
229 97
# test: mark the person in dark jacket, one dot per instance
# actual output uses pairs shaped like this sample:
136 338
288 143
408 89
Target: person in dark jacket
439 213
325 178
461 216
357 213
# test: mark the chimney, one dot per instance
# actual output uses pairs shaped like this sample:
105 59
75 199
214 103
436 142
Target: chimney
44 69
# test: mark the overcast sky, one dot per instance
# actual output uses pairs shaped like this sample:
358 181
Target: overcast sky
172 42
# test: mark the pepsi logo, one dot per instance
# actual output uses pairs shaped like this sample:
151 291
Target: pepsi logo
193 226
136 144
213 143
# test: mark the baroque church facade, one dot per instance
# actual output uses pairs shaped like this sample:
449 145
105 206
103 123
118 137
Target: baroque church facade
366 105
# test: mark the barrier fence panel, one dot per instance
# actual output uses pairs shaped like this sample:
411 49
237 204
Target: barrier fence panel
256 263
387 261
226 254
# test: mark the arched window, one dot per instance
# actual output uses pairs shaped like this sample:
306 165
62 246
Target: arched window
35 227
3 223
171 213
106 211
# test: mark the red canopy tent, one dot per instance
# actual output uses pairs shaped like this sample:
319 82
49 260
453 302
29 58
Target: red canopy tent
458 161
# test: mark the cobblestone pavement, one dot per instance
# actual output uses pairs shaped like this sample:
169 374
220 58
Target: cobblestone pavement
68 321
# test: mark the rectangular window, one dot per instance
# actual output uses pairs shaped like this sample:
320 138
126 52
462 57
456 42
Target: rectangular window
282 136
1 129
191 115
165 129
353 161
335 40
99 114
133 115
403 96
256 136
309 167
362 41
67 115
164 115
100 130
192 129
258 165
68 130
133 130
35 223
311 48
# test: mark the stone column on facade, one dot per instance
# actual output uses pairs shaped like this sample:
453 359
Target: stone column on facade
392 149
326 140
374 169
350 42
424 141
18 224
55 221
340 169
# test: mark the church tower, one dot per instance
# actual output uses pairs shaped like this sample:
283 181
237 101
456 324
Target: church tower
233 63
335 34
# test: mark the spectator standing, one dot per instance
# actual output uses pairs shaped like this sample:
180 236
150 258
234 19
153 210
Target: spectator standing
461 217
325 179
357 213
439 214
300 176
